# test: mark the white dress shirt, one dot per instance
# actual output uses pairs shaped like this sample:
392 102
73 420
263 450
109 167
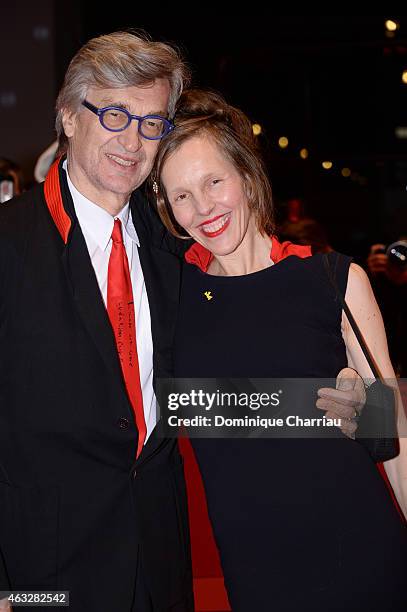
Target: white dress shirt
97 226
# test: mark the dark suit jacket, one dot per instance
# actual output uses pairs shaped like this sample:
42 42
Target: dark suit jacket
77 512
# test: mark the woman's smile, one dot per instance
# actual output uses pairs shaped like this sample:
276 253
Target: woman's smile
215 227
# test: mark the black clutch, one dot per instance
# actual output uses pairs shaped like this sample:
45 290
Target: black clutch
377 429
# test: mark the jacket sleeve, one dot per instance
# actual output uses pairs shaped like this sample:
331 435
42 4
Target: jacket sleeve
4 579
5 271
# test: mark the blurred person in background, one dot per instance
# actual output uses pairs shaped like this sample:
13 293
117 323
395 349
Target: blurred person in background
11 179
44 162
306 231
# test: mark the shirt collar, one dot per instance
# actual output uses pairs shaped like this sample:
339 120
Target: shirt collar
96 221
128 225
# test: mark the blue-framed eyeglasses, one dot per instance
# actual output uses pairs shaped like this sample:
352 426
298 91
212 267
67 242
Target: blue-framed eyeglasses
117 119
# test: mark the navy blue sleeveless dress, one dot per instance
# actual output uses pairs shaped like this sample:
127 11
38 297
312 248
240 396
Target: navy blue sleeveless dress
301 524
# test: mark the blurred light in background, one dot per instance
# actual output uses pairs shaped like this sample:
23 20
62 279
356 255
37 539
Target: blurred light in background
401 132
391 25
283 142
327 165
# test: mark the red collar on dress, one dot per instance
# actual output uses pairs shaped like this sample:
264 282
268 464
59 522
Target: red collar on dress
53 198
202 257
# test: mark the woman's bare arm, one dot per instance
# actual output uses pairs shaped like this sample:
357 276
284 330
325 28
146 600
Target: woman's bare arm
363 306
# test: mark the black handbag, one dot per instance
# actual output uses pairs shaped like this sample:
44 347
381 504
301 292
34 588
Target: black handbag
377 429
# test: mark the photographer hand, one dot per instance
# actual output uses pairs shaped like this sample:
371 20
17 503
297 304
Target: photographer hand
379 263
377 260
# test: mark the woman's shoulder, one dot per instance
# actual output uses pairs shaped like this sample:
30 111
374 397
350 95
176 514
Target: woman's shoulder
334 260
320 268
358 282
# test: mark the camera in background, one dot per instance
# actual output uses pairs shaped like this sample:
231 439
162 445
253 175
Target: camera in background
396 253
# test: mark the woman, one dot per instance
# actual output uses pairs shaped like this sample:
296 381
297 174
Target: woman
300 524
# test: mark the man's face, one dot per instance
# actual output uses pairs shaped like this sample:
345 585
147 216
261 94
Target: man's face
107 166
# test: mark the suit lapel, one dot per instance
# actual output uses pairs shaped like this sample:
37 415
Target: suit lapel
81 278
89 302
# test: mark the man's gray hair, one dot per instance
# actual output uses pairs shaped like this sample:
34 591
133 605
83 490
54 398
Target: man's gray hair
116 60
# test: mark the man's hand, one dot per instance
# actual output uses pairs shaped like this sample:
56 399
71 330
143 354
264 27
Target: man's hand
5 605
345 402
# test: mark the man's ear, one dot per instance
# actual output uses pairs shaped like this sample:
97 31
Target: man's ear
68 122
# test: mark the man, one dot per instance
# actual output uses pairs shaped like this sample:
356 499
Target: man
86 503
92 499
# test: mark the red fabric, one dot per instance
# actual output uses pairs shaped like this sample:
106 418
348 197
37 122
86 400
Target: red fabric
209 590
202 257
383 474
53 198
120 307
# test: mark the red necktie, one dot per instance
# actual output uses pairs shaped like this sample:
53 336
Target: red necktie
120 307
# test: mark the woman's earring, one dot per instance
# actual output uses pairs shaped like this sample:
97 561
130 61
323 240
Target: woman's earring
155 187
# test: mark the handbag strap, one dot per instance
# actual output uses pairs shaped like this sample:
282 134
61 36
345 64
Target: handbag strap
351 320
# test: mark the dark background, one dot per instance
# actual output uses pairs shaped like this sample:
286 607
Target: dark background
330 84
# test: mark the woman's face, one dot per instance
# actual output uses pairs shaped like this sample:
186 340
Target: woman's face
207 195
